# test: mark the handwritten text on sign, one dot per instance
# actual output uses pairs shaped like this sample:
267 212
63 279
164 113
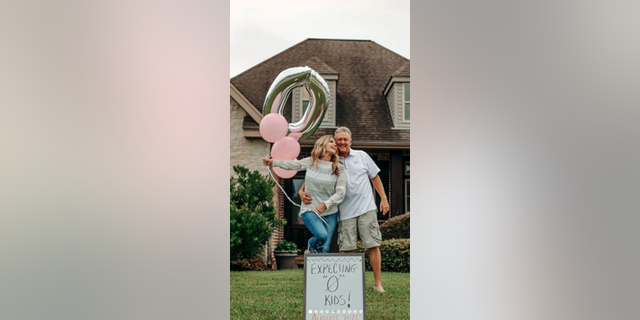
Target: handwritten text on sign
334 286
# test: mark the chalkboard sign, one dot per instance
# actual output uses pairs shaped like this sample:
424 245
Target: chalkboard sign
334 286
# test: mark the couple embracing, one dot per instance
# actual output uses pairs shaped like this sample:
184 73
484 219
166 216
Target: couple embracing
337 193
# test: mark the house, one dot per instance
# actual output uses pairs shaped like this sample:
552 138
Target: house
370 94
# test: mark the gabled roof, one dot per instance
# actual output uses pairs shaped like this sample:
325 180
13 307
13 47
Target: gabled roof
319 66
251 110
364 67
401 75
403 71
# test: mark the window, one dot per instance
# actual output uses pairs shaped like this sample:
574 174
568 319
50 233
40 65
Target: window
305 100
407 105
406 168
407 202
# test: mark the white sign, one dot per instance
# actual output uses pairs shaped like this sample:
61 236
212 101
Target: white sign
334 286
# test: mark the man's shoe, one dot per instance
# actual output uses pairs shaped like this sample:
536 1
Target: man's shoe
378 288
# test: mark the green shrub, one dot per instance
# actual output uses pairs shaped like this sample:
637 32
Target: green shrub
396 228
253 216
287 246
395 254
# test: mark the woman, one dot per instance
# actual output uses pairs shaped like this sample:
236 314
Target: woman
326 181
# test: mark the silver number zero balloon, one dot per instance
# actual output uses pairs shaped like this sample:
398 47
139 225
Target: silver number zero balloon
319 97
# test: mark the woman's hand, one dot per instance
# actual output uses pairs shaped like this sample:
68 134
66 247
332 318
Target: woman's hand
306 197
321 207
267 162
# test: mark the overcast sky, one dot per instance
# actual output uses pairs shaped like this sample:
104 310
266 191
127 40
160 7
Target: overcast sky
261 29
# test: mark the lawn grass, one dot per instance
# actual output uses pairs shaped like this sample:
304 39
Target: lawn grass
277 295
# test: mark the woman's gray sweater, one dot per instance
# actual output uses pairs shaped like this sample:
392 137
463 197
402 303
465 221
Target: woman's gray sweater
320 183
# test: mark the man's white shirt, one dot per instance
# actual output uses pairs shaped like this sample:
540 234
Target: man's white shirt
360 169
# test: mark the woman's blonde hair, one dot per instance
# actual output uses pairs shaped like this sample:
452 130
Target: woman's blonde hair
318 152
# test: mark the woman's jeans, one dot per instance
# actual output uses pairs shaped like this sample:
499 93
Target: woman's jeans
322 234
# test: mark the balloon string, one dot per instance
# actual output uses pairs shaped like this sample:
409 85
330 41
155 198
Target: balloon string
285 194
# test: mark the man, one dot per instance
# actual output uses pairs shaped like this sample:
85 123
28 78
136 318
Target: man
358 209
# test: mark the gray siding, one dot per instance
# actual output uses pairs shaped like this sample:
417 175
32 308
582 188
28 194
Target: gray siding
392 105
297 103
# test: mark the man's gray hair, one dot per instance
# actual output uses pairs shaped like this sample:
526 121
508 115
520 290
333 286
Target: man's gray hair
343 129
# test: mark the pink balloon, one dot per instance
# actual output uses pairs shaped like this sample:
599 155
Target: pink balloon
287 148
284 174
273 127
295 135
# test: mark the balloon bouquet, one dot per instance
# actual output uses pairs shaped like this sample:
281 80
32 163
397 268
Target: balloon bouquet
274 127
